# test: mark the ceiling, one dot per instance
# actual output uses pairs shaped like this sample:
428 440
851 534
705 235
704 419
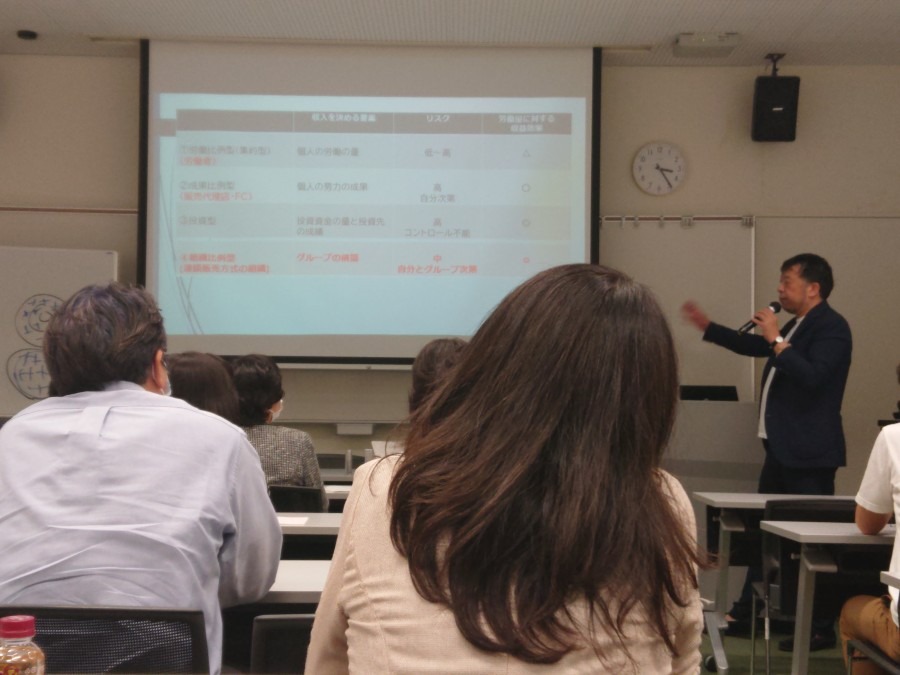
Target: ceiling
632 32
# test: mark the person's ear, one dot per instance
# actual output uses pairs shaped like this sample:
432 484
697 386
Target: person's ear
159 374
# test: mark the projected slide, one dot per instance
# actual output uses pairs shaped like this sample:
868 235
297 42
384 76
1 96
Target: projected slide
361 215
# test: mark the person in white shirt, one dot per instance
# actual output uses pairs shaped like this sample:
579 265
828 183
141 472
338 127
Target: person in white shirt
112 493
866 617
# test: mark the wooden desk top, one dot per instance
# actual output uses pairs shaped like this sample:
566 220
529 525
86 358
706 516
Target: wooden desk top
826 533
310 523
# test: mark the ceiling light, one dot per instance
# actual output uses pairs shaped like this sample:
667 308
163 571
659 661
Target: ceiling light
705 44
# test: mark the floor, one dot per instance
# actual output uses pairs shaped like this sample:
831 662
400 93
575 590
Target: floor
824 662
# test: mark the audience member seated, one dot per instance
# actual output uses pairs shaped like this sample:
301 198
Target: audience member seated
528 527
429 367
287 455
112 493
204 381
866 617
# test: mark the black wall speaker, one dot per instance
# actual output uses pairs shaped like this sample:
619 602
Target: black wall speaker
775 108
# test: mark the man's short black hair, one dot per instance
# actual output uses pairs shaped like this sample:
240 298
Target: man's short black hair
814 269
102 334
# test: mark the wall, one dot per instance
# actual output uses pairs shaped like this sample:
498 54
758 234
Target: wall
68 138
832 191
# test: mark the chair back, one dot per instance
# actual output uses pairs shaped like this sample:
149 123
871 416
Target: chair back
781 557
79 639
296 498
280 643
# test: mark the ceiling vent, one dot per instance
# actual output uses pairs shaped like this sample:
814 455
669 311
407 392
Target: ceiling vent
710 45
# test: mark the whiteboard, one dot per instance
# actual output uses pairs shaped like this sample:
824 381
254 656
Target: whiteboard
709 261
35 282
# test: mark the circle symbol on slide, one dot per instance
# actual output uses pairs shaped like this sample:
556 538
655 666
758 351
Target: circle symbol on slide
526 260
33 316
437 258
28 374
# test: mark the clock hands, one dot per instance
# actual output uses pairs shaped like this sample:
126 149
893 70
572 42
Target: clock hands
663 173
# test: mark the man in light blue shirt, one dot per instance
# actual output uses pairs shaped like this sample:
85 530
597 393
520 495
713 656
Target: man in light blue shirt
112 493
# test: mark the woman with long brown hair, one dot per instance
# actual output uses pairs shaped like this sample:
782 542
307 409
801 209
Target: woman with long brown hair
528 523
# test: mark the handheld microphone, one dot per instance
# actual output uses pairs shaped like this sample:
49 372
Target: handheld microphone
774 306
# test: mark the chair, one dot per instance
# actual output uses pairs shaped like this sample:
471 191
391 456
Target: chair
79 639
873 654
296 498
781 565
280 642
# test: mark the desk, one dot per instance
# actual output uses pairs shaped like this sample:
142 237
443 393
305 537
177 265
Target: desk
890 579
336 476
338 492
814 538
297 589
732 505
314 523
298 582
730 509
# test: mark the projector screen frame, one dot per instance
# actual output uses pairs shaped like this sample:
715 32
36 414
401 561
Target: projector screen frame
592 225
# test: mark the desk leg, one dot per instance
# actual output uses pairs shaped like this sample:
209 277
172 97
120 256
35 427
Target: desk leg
806 585
724 563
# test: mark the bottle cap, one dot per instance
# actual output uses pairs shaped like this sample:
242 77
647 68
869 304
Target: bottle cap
17 626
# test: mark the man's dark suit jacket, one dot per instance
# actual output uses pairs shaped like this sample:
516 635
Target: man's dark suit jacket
803 412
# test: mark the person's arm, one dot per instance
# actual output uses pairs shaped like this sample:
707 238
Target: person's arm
870 522
875 501
687 633
746 344
309 467
328 645
248 559
828 353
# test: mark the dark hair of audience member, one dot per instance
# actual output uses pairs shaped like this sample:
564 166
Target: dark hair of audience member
530 478
204 381
258 382
102 334
429 367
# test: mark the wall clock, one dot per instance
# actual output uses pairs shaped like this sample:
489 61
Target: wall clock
658 168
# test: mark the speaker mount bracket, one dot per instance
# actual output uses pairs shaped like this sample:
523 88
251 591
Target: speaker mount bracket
774 58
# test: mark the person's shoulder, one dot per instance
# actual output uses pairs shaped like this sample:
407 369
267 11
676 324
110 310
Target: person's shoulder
673 487
377 473
35 408
828 314
891 434
277 433
176 411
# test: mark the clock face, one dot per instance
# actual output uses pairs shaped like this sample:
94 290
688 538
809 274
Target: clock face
658 168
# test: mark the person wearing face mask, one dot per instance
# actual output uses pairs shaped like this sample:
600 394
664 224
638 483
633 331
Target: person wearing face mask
112 493
287 455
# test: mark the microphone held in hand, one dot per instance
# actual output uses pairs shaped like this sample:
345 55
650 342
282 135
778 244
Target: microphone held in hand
774 306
